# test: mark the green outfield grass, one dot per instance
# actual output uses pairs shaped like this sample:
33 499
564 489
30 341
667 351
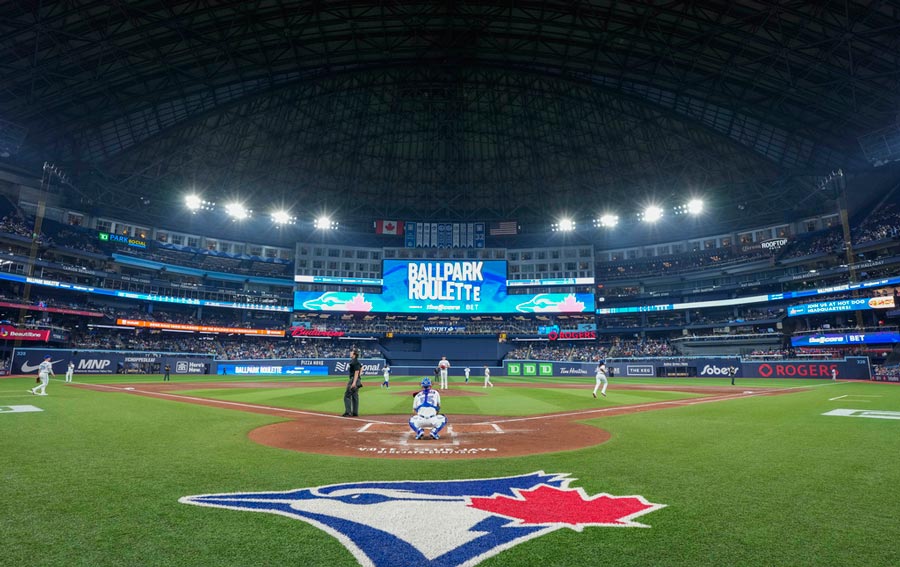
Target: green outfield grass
497 401
94 479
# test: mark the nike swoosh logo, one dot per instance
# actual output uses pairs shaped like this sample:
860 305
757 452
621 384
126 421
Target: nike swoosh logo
26 368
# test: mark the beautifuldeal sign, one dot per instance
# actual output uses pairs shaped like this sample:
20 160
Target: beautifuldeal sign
10 333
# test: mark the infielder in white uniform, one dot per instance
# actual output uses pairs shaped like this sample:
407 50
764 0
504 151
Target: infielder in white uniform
444 365
601 378
487 377
427 404
69 371
45 370
387 377
467 371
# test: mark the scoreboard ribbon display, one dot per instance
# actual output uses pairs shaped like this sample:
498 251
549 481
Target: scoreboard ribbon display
198 328
853 304
431 286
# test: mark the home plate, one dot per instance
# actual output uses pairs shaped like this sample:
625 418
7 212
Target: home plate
457 428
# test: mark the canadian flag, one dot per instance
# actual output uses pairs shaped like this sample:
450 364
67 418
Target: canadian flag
388 227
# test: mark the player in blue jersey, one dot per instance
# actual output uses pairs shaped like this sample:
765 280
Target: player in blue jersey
427 404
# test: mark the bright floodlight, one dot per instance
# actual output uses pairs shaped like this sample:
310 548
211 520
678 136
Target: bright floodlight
282 217
193 202
695 206
237 211
324 223
652 213
609 220
566 225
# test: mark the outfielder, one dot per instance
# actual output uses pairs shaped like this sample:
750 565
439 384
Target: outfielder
45 370
601 378
444 366
427 404
487 377
834 374
467 371
69 371
387 377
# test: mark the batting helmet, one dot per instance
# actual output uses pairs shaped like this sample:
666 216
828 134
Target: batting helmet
426 382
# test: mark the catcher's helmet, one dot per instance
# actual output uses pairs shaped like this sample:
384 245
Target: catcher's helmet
426 382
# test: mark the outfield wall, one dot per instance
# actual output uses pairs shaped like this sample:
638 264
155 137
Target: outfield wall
26 361
296 367
849 368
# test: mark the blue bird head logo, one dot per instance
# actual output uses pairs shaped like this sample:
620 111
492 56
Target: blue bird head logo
391 523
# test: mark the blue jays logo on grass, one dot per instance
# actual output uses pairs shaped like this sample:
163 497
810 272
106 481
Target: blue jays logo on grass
440 523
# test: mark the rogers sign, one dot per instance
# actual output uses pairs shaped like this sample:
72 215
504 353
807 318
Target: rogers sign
571 335
796 369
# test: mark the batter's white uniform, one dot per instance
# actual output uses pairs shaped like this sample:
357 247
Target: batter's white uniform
601 378
426 404
444 365
44 371
487 377
69 371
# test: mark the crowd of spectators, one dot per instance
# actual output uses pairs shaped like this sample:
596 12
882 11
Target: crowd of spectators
589 351
881 224
222 348
216 262
15 224
575 352
773 353
825 242
884 373
673 264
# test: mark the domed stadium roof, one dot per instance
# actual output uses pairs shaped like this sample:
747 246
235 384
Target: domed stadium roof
475 110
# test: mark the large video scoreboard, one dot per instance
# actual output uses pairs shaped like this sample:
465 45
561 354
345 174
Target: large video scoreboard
436 286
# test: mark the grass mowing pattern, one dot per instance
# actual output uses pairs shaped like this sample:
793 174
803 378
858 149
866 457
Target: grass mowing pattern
94 479
497 401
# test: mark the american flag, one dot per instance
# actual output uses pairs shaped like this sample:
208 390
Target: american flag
503 227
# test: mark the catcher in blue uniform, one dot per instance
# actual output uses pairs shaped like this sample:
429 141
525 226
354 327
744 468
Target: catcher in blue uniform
427 405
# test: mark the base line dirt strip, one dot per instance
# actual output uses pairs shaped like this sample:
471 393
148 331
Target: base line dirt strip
467 436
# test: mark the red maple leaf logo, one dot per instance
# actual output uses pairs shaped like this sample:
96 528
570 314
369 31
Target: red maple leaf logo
569 507
389 226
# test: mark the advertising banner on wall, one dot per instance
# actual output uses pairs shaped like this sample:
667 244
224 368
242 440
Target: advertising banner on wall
831 339
700 367
296 367
27 360
198 328
10 333
852 368
836 306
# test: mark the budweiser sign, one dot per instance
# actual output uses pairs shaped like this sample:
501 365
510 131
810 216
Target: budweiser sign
304 332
